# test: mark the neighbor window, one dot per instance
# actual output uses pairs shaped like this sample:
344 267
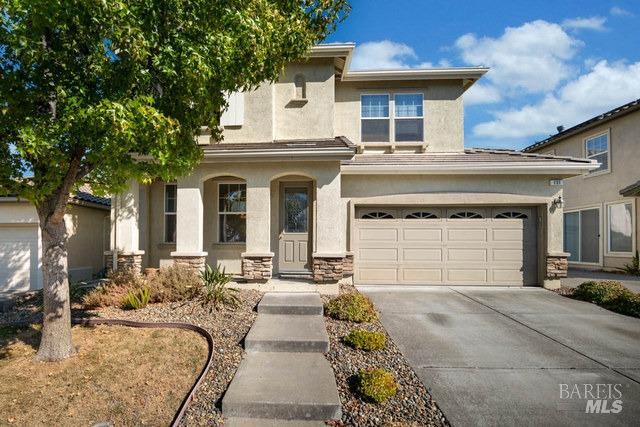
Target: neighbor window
232 213
620 226
408 117
597 148
170 203
374 118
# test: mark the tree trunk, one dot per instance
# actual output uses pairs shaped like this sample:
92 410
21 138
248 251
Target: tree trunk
55 343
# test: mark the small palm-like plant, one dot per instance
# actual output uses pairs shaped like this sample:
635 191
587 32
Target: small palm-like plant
634 266
136 299
214 288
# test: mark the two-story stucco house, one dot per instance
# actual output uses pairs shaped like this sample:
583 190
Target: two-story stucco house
330 172
601 206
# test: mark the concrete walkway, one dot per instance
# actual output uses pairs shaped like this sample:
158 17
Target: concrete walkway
501 356
285 378
577 277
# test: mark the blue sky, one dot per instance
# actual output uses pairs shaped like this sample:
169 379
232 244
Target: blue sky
552 62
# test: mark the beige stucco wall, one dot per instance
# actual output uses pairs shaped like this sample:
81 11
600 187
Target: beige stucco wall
443 110
600 189
258 118
88 234
87 231
262 210
313 118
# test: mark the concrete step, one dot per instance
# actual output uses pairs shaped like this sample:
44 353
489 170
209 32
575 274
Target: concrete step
265 422
288 333
288 386
291 303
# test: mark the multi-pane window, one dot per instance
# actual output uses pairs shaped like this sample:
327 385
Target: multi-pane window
374 112
408 117
170 203
597 148
620 223
232 213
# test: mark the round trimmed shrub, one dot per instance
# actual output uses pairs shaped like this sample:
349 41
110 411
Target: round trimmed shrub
599 292
353 307
627 303
376 385
365 340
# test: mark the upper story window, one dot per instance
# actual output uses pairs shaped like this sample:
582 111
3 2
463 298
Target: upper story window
374 113
170 205
232 213
399 118
408 117
597 148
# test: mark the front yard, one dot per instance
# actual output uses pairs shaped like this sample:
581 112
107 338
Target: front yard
119 374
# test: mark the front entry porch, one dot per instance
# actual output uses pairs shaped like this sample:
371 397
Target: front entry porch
257 220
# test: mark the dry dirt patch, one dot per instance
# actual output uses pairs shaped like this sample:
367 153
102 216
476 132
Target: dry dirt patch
119 374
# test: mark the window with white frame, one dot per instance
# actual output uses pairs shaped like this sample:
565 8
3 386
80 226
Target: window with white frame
232 213
170 204
620 227
374 113
597 148
408 122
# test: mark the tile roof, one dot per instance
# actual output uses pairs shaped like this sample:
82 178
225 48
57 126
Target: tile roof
631 190
602 118
471 155
286 145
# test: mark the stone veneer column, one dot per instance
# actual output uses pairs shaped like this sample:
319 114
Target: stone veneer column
328 268
125 241
257 267
557 265
189 223
257 260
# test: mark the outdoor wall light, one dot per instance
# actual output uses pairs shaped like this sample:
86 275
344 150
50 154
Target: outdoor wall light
557 202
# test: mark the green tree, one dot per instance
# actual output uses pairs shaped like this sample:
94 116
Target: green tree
102 91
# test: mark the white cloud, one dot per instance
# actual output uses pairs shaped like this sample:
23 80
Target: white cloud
481 93
443 63
532 58
605 86
618 11
595 23
380 55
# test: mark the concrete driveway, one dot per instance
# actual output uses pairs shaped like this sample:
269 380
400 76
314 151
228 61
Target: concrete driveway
505 356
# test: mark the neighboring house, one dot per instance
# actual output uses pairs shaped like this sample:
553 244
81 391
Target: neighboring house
330 172
601 216
87 220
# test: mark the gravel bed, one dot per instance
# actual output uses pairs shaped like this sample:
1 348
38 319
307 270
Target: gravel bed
228 328
411 406
564 291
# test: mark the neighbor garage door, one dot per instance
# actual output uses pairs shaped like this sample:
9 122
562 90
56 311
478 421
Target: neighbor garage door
18 258
445 246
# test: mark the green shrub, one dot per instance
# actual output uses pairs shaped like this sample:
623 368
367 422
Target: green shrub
113 292
376 385
214 288
627 303
365 340
353 307
634 266
136 299
598 292
174 283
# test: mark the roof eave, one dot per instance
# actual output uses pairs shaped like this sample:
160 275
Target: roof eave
467 73
270 154
490 168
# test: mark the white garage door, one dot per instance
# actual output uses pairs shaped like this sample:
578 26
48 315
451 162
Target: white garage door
445 246
19 258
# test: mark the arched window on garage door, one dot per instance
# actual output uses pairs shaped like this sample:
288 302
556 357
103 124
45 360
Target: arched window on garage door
465 215
377 215
421 215
511 215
